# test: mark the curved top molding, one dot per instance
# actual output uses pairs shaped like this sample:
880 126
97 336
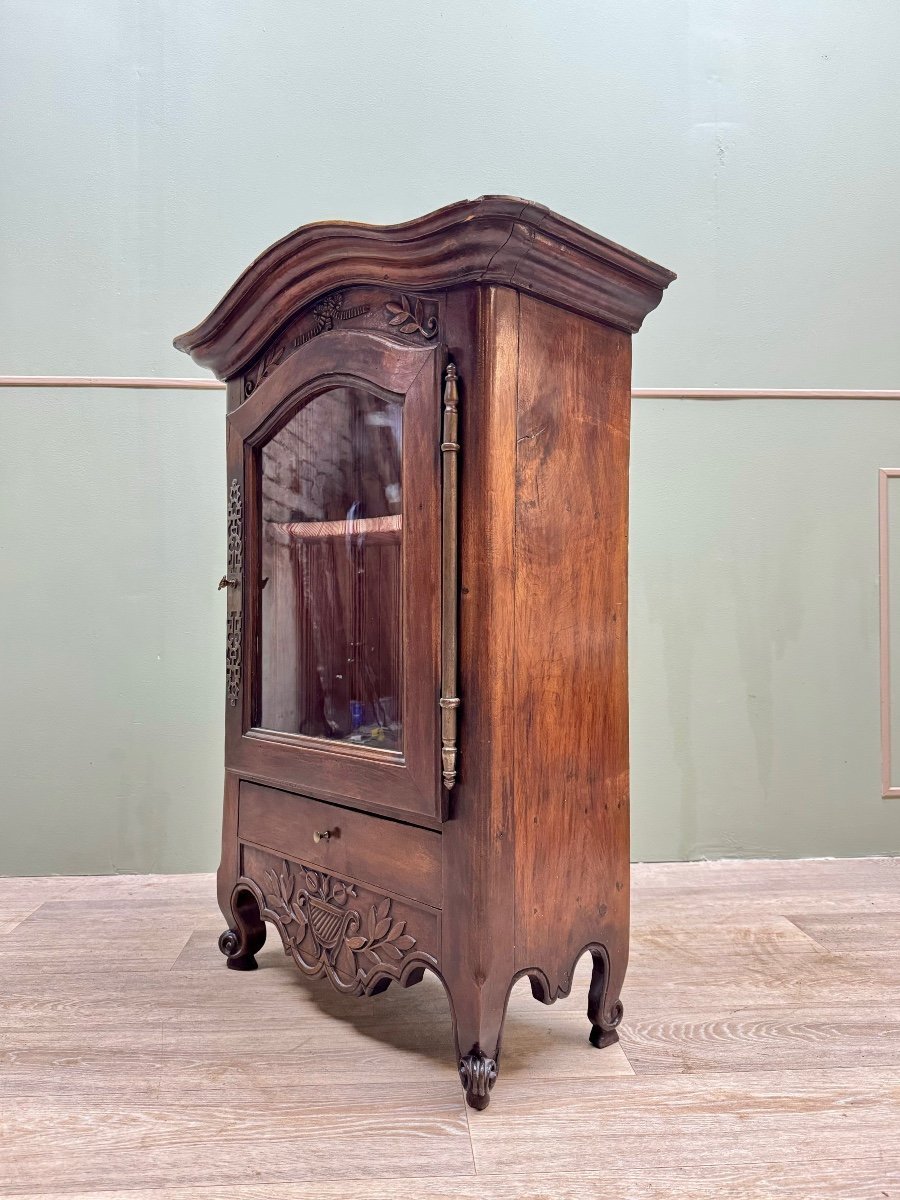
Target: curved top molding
495 239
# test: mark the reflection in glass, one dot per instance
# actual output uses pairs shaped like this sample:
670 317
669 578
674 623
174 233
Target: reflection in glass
331 540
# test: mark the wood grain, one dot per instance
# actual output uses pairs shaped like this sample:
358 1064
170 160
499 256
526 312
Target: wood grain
843 1179
799 1039
671 1120
780 876
852 931
43 941
71 1143
402 858
477 927
570 696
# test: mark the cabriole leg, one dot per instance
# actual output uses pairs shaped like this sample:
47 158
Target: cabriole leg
248 934
478 1014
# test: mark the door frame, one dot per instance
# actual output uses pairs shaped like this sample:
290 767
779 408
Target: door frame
404 784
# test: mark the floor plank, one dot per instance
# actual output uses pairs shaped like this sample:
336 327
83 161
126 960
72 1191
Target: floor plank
44 941
777 875
299 1133
406 1035
676 1120
841 1179
759 1056
852 931
764 1039
28 891
200 888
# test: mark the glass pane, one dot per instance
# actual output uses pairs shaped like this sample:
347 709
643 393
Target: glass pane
331 542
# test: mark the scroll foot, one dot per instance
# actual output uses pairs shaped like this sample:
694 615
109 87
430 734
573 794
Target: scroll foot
477 1075
241 943
604 1006
600 1037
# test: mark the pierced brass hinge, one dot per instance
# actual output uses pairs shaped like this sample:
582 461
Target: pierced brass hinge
449 701
232 581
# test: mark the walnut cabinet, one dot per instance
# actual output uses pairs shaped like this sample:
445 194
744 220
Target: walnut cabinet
426 710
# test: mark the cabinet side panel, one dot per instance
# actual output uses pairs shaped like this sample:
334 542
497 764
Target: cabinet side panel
570 688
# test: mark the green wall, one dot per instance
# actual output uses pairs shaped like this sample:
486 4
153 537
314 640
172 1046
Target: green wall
151 149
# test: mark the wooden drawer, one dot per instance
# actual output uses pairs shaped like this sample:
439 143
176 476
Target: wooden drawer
402 859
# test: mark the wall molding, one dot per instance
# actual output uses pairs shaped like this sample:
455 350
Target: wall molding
109 381
763 394
214 385
885 474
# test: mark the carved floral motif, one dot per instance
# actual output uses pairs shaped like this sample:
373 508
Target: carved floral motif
408 316
327 934
328 313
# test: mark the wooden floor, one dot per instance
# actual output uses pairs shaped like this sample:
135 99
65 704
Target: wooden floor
760 1054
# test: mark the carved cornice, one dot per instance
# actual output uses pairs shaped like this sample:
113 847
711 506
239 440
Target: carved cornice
496 239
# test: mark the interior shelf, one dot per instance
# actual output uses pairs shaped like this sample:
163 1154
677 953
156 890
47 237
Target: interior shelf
375 529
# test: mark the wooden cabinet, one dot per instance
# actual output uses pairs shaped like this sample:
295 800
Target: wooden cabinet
426 756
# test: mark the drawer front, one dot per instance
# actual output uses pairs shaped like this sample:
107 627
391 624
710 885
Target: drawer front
401 859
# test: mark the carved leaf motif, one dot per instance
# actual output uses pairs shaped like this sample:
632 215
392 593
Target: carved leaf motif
279 900
345 963
409 315
300 917
383 935
272 359
400 313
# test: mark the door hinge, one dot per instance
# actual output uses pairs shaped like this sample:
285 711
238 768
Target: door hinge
449 701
